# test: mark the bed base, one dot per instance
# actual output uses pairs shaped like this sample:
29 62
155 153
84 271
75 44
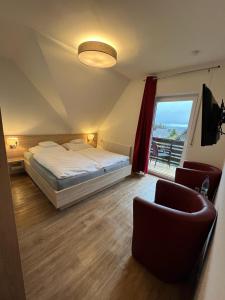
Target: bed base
70 196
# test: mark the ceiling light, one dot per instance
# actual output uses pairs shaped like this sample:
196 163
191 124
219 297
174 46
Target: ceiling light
97 54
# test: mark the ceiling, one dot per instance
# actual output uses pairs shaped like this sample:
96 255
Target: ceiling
150 36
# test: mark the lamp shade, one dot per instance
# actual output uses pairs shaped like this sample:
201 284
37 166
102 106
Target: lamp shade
97 54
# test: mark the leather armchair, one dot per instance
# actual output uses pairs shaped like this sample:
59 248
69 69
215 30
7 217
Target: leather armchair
169 234
193 174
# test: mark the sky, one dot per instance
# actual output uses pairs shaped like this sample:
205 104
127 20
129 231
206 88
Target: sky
175 112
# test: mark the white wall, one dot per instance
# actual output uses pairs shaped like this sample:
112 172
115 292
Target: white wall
211 284
24 110
32 63
120 125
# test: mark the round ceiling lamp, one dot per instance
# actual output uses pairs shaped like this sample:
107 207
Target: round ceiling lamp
97 54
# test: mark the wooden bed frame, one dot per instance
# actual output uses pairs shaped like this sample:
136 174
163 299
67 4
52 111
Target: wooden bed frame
28 141
69 196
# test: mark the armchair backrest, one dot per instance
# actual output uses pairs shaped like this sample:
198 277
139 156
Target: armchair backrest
194 165
178 197
193 174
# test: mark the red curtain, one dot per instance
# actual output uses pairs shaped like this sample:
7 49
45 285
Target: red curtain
142 139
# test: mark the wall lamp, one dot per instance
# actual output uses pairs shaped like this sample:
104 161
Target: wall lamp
90 137
12 142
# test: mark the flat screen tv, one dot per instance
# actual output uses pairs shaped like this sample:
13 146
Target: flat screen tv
211 118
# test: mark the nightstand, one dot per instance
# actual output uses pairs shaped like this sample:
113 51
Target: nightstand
16 165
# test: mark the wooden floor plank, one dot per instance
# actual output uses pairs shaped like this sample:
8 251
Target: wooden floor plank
84 252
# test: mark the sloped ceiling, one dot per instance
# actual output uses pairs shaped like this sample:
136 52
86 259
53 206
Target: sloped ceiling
81 97
41 38
24 109
84 91
150 36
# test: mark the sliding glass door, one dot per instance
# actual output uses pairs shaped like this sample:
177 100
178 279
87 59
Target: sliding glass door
170 133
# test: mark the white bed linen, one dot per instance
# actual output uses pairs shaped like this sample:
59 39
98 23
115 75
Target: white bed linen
102 157
76 146
63 163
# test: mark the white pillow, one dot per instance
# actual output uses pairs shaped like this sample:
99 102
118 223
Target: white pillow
76 147
35 149
38 149
48 144
77 141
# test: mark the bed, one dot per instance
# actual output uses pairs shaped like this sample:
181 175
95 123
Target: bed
64 192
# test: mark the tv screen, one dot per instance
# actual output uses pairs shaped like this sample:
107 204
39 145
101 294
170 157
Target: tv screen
210 118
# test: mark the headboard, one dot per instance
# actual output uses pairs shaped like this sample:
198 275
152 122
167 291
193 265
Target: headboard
28 141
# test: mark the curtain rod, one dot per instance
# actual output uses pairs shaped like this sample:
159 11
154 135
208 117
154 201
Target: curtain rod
186 72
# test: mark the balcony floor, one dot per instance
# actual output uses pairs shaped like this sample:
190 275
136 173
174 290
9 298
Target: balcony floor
162 169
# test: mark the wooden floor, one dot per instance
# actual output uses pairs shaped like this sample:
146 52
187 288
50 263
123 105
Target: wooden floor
84 252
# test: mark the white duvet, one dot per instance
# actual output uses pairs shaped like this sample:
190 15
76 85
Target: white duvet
102 157
63 163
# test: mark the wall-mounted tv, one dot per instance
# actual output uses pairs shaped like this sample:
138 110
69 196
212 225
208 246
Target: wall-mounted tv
213 116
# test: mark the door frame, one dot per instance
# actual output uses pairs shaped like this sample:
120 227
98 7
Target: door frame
191 124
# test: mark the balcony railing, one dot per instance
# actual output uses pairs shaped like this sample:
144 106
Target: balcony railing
171 147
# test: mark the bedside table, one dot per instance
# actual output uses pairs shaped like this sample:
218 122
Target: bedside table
16 165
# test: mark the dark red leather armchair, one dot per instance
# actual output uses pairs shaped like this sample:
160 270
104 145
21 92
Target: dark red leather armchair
168 234
193 174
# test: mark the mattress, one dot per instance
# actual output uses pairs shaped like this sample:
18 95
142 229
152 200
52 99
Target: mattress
60 184
106 159
63 163
116 166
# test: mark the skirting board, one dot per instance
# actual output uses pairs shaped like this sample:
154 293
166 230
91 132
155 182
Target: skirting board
69 196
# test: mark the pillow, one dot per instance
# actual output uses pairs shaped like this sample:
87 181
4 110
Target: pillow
48 144
35 149
77 141
76 147
38 149
100 147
